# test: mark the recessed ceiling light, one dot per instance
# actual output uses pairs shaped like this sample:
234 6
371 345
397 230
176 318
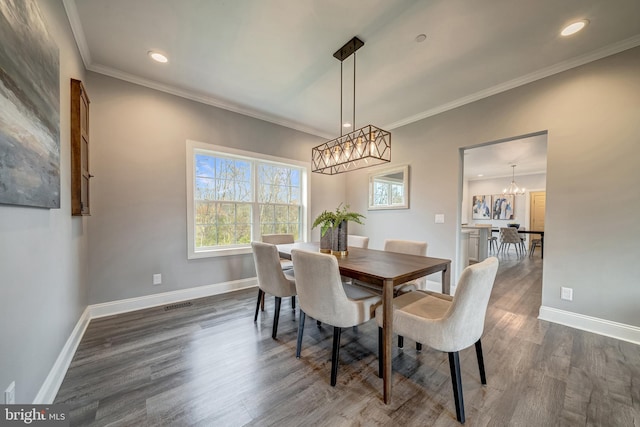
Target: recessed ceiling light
574 27
480 174
421 37
158 57
346 125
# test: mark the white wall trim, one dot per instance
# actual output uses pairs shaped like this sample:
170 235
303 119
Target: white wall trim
148 301
591 324
52 383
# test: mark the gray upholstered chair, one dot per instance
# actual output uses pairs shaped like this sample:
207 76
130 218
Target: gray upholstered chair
446 323
323 296
509 236
271 279
410 247
534 244
358 241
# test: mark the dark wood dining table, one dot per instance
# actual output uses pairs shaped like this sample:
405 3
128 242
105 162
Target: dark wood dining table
541 233
385 270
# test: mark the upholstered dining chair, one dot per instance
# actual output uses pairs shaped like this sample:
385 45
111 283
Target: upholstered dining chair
324 297
286 264
509 236
358 241
410 247
271 279
447 323
280 239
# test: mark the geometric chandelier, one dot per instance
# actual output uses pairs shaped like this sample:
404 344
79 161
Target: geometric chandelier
513 187
361 148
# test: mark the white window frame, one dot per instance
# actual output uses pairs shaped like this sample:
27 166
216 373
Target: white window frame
194 147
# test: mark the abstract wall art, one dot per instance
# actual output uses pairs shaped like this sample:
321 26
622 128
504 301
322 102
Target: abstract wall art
29 108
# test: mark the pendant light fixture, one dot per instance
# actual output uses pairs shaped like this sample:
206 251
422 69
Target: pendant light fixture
513 187
361 148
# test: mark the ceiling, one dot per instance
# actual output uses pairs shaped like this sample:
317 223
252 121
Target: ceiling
273 59
494 160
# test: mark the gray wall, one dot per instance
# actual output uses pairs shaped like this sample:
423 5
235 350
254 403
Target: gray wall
592 115
43 255
138 225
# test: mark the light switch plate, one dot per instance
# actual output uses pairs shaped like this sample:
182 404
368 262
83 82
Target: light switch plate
439 218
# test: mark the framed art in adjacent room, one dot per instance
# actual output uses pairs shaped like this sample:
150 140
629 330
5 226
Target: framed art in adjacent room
503 207
481 207
29 108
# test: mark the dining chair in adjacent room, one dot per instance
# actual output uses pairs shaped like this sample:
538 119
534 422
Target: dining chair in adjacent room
447 323
534 244
272 279
358 241
509 236
324 297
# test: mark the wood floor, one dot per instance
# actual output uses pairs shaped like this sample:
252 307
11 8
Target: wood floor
209 364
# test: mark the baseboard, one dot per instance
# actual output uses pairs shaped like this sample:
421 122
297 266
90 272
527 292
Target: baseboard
591 324
52 383
148 301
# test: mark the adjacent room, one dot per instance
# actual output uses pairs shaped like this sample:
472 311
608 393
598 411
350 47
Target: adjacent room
320 213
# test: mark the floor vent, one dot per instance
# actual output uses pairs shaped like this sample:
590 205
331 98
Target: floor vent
179 305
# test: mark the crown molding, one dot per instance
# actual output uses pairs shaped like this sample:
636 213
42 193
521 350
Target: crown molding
520 81
78 32
203 99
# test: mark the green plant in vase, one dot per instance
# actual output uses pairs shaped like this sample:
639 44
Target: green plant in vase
333 229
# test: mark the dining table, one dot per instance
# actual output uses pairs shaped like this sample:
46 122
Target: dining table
385 270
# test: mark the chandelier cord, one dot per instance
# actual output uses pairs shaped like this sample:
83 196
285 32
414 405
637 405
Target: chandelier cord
354 91
341 126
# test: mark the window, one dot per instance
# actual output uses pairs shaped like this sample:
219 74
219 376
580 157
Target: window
234 197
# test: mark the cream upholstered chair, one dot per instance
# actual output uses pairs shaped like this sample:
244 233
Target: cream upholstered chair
447 323
509 236
286 264
410 247
358 241
323 296
280 239
271 279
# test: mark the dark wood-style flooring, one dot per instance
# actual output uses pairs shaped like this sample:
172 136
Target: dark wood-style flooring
209 364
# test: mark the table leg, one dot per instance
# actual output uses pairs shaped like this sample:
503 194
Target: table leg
446 280
542 246
387 326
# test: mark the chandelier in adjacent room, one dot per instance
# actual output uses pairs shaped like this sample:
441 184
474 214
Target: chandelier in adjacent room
513 187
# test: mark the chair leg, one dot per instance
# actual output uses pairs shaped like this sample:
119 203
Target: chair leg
419 346
334 354
262 302
260 296
300 329
483 377
318 323
293 302
400 341
456 382
380 352
276 317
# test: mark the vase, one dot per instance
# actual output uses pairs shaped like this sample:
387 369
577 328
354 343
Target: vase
340 233
326 241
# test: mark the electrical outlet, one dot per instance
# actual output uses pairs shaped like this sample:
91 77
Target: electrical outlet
566 294
157 279
10 394
439 218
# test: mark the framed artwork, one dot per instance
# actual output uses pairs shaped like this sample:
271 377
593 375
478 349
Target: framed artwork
503 206
481 207
29 108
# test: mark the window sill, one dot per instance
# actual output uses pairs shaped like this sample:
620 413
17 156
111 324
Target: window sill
211 253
